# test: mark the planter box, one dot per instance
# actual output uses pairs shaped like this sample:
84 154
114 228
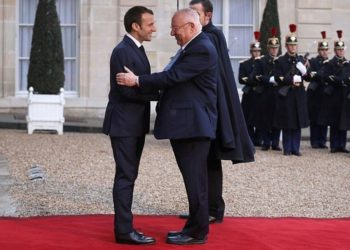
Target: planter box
45 112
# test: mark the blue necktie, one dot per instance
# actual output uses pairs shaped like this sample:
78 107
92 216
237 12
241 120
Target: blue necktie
173 60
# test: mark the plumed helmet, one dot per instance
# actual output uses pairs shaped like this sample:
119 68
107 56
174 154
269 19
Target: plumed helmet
292 38
273 41
254 46
339 44
323 44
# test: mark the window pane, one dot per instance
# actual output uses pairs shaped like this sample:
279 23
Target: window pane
23 71
66 10
27 10
217 11
25 37
68 41
70 75
241 11
239 40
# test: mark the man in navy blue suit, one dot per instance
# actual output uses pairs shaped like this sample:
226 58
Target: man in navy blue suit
127 119
187 115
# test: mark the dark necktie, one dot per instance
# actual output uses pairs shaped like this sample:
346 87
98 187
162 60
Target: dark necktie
142 49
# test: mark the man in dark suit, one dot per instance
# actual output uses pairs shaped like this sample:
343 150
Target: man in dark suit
127 120
187 115
232 139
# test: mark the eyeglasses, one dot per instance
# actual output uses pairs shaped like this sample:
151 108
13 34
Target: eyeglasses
176 28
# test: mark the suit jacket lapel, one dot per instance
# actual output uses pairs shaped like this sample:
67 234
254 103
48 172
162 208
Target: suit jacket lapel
139 53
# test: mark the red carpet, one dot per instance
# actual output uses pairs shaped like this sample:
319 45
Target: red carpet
90 232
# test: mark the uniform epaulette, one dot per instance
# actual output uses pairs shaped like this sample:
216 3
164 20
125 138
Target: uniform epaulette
242 61
326 61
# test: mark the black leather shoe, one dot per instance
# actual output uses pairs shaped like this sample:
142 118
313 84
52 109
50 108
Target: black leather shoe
214 220
265 148
184 240
322 146
184 216
277 148
296 153
287 153
174 233
343 150
134 238
315 146
334 150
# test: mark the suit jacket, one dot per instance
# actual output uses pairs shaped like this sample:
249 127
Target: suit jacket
232 138
187 107
128 109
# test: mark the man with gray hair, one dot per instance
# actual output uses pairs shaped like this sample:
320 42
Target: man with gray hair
187 115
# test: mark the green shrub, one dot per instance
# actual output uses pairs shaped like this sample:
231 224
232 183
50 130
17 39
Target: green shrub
46 66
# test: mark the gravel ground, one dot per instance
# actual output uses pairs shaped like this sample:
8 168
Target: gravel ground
79 172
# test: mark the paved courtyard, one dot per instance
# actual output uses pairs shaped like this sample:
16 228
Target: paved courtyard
78 170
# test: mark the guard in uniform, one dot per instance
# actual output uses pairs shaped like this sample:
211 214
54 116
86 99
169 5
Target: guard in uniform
291 109
330 114
318 132
250 90
263 74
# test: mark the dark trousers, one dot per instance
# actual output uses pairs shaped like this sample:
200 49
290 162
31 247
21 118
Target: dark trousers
318 135
215 182
191 157
291 140
271 138
127 153
337 138
255 135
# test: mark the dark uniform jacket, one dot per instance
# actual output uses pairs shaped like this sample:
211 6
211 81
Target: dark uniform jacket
291 107
266 100
249 91
315 88
345 112
333 78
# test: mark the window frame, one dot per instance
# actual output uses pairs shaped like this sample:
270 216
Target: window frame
225 26
23 93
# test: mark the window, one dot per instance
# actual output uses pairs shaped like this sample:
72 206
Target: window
67 12
237 19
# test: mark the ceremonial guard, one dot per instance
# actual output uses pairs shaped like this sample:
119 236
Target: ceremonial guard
334 91
251 90
263 74
318 132
291 108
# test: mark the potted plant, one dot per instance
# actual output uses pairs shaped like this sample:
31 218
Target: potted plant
46 71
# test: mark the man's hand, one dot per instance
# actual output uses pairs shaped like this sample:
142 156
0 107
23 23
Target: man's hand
127 79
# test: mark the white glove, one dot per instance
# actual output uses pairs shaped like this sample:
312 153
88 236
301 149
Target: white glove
296 79
272 79
301 67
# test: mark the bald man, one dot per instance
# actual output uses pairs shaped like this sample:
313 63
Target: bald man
187 115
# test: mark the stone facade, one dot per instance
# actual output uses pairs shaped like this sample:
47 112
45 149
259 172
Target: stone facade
101 28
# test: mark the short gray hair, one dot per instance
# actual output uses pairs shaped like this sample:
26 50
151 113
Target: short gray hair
190 15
